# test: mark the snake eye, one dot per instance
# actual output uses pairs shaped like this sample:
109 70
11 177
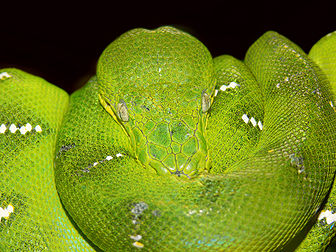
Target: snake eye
122 111
205 102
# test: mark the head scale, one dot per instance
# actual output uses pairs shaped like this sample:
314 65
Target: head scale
157 85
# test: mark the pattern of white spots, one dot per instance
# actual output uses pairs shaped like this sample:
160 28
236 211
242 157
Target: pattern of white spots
199 212
331 104
23 129
3 128
138 244
26 128
286 79
328 215
108 158
5 213
234 84
216 92
4 75
191 212
278 85
253 121
231 85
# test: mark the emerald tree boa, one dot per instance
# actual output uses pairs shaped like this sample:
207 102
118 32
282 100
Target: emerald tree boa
169 149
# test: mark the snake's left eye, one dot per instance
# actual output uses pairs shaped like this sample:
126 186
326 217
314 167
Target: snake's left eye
122 111
206 102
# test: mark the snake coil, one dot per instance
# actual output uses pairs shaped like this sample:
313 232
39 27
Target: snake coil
167 148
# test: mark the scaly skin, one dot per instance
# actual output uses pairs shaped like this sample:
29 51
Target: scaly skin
167 149
324 54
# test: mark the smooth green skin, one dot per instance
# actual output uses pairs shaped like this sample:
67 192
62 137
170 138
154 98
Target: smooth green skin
172 177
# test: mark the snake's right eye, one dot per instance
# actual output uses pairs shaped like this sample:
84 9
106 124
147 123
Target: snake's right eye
206 102
122 111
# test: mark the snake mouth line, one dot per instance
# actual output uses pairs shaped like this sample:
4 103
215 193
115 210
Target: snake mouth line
106 103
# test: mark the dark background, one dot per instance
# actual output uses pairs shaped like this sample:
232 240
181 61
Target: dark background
61 42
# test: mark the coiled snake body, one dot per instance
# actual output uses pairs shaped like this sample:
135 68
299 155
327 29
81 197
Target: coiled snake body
169 149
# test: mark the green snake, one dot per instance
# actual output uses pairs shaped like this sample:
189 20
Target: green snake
170 149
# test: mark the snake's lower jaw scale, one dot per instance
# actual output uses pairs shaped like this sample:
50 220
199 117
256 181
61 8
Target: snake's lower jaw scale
159 168
196 165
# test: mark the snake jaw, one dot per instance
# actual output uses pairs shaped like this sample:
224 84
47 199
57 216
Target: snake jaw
106 103
196 165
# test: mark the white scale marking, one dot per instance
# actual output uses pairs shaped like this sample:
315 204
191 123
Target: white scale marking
12 128
5 213
260 125
245 118
231 85
216 92
234 85
28 127
136 237
253 121
3 128
38 128
330 217
108 158
4 75
23 129
138 244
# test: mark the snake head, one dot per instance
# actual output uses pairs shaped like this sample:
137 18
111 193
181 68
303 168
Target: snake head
158 84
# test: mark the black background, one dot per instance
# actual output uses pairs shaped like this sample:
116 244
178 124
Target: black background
61 42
